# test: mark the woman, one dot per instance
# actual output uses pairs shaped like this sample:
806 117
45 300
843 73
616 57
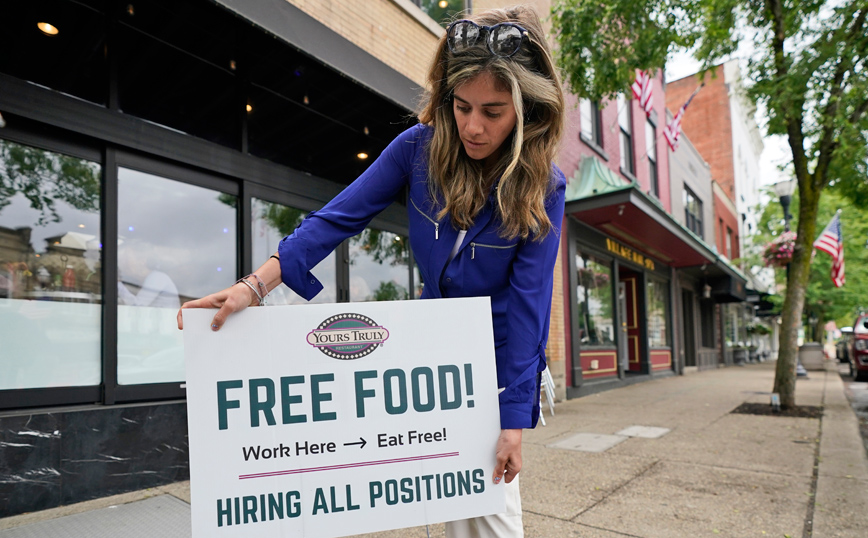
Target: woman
485 206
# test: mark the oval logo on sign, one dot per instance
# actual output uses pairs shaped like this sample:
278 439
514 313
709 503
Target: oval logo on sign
348 336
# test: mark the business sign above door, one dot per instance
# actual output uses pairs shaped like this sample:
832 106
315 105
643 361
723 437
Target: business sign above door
629 254
399 431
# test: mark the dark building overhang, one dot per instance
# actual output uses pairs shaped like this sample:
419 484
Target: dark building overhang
297 28
190 80
599 198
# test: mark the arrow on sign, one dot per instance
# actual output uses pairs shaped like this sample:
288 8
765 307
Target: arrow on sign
360 442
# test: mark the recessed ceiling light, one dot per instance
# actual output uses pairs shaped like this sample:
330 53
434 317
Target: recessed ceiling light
47 29
81 225
362 155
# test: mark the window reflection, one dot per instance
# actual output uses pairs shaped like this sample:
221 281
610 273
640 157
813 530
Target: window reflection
379 266
658 313
594 293
50 270
271 223
176 242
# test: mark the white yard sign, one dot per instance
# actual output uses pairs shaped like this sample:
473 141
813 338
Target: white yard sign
340 419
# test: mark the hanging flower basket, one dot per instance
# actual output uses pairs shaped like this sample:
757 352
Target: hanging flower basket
779 252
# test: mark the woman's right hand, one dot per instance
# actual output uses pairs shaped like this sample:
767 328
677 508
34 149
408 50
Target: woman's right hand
233 299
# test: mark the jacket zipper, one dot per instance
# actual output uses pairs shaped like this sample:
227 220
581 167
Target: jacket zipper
474 245
434 222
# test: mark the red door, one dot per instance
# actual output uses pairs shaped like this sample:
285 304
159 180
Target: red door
633 316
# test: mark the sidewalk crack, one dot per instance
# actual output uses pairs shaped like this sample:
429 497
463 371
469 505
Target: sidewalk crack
613 531
617 489
812 501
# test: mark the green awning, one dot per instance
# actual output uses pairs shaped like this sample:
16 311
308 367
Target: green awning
591 178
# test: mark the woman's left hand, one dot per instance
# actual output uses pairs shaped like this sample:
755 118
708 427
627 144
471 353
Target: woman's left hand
508 454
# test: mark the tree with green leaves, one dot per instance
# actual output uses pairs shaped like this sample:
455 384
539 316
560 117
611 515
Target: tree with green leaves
807 68
822 298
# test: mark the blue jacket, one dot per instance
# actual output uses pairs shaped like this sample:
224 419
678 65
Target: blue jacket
517 275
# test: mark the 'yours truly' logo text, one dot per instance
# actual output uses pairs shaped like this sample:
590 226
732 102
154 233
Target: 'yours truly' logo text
347 336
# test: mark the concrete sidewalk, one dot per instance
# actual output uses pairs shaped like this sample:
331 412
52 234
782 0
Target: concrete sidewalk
678 464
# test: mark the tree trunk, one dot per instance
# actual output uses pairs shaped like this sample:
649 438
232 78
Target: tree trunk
794 301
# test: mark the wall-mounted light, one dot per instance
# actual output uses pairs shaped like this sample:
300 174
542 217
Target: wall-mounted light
47 29
131 10
620 210
2 122
362 155
232 65
249 107
366 131
443 4
306 100
706 292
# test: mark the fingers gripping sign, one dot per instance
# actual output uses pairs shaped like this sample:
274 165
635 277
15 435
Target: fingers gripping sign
508 455
229 301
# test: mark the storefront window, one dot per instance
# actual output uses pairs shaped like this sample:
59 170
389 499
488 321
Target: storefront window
50 269
594 295
176 242
379 266
271 223
658 313
736 334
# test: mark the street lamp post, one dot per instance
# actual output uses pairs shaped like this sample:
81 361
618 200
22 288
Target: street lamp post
784 190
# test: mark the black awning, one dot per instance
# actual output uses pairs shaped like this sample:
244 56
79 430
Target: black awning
726 284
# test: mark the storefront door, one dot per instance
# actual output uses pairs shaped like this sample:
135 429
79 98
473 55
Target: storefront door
623 339
631 280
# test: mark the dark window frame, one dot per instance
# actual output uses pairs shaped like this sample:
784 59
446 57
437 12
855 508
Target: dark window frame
625 135
693 219
653 168
595 137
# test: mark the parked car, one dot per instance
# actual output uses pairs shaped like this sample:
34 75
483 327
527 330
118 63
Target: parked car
842 346
859 349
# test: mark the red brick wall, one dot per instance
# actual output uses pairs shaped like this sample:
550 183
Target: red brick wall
574 149
708 124
725 217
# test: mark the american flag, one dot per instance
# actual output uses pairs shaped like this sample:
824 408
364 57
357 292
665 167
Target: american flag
831 241
672 132
642 91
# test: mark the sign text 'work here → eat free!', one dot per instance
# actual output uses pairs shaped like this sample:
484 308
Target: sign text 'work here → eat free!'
339 419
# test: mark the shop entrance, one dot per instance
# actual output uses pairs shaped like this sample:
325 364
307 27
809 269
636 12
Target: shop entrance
629 306
688 347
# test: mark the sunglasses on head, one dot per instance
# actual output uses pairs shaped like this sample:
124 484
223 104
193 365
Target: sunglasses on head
503 39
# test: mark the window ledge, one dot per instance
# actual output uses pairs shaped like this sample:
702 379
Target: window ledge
593 145
629 175
421 17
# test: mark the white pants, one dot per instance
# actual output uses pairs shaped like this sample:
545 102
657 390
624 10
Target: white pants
505 525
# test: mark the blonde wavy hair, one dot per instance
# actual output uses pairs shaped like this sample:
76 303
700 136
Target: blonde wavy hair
525 164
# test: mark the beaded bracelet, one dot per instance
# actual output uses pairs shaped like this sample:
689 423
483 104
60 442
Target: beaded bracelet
252 287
